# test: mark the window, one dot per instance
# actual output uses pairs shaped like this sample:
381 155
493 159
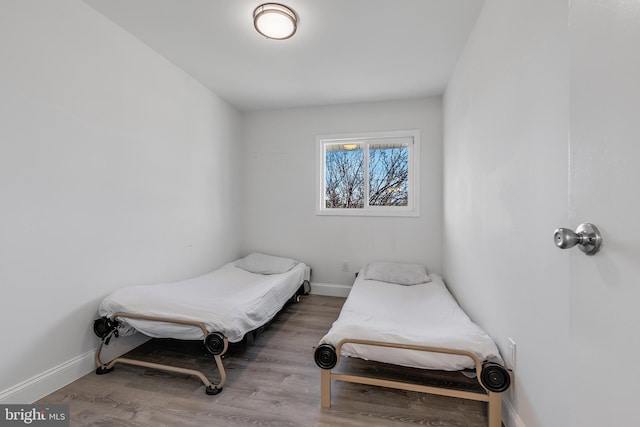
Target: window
368 174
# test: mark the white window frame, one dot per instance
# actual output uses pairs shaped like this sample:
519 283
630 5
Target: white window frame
413 188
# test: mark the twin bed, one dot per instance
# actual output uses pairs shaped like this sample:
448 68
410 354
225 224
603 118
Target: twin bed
395 314
399 314
220 307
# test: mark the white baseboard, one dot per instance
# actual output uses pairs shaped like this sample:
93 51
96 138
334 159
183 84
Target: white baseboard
510 417
39 386
47 382
330 290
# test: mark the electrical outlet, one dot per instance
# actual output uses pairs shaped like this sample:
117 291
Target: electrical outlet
345 266
511 357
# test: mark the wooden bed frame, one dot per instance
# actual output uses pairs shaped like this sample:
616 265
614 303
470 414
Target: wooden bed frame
493 399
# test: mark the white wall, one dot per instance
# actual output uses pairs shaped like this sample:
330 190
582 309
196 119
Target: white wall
116 168
279 189
505 186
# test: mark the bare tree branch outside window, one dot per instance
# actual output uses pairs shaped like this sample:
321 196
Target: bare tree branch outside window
345 175
344 186
388 176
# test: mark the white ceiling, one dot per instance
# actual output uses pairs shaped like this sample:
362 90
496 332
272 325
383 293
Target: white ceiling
344 50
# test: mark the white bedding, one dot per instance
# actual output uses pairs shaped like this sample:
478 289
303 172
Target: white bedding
424 314
228 300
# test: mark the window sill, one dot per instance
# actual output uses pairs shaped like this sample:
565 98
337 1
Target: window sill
368 212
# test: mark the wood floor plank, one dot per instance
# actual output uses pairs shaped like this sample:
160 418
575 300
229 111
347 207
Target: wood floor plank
274 382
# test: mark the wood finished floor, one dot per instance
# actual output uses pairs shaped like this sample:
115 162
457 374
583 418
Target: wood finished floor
274 382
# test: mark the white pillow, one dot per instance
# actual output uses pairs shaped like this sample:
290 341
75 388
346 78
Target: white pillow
393 272
265 264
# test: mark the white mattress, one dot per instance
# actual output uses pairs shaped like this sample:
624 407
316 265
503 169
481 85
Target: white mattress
228 300
424 314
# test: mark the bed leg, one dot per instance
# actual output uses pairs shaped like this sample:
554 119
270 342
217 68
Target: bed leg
102 368
325 388
495 409
221 371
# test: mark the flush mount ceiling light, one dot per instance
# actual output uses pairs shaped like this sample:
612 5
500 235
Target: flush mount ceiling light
275 21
